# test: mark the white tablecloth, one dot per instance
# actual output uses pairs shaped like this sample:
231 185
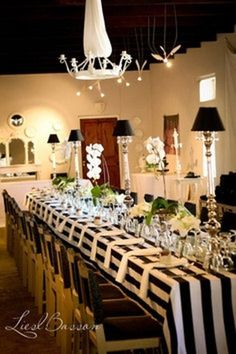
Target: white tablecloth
177 188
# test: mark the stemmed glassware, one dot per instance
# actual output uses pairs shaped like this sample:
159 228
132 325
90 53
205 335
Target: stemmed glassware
218 256
227 261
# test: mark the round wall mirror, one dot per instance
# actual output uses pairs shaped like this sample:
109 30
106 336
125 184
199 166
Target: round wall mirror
16 120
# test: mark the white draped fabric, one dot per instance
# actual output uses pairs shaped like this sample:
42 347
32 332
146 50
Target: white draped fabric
96 41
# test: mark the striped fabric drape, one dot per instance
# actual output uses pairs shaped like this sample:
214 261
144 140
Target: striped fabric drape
197 309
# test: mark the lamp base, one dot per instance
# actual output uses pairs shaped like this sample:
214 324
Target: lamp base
212 226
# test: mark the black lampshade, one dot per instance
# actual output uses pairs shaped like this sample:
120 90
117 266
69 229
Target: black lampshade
53 139
123 128
208 119
75 135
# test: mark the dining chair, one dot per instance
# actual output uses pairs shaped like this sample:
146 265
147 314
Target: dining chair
39 288
52 279
28 251
20 245
112 328
228 221
78 317
148 197
11 225
191 207
6 202
109 293
66 300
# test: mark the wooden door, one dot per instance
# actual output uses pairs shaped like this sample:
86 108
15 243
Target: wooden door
99 130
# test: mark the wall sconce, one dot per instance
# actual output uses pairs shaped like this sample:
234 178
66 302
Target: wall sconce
53 140
208 122
124 133
76 137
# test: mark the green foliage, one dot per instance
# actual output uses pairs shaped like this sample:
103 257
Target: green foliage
161 204
101 191
63 183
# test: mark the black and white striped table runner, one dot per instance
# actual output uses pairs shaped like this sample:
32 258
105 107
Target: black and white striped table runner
198 311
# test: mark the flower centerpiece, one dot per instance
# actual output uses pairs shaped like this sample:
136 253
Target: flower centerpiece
140 210
161 207
184 221
103 191
156 157
64 184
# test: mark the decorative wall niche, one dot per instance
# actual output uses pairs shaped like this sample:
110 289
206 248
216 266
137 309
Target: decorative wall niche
17 151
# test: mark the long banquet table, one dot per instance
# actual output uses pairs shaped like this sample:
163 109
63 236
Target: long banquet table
196 308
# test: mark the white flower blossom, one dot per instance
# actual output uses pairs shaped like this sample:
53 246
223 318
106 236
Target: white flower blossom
155 148
140 209
184 223
94 152
120 198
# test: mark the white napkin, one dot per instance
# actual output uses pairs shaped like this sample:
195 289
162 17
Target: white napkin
145 279
164 262
108 233
138 252
62 224
45 213
75 222
84 228
128 241
50 217
41 210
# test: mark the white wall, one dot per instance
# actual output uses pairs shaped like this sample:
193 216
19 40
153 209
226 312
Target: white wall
46 99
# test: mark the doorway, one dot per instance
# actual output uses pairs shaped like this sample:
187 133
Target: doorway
99 130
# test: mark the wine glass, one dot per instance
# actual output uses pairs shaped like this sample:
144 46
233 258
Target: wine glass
227 261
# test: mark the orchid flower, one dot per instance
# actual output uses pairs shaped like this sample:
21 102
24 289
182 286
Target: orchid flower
94 152
155 148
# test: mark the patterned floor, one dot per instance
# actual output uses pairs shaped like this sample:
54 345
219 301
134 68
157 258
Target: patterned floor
14 301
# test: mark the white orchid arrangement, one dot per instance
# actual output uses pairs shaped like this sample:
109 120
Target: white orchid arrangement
184 221
156 156
155 148
64 184
94 152
141 209
103 191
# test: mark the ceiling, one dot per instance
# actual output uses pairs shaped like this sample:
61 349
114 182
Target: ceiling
33 33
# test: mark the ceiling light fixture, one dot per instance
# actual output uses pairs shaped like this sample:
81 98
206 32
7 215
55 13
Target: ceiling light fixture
97 49
122 79
164 57
140 62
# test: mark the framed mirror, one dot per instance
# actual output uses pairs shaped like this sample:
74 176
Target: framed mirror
16 120
3 161
16 152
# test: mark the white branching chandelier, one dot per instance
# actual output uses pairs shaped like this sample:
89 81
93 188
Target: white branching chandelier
97 49
164 56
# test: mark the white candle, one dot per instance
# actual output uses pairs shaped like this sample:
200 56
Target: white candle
175 136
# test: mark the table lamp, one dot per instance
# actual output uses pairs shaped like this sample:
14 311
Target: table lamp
53 140
208 122
124 133
76 137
